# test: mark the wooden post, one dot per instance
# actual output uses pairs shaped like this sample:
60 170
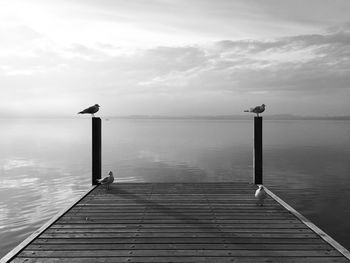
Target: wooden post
258 150
96 150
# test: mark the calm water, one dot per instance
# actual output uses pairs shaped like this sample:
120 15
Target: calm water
45 164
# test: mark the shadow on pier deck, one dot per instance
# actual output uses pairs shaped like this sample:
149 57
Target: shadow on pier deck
179 222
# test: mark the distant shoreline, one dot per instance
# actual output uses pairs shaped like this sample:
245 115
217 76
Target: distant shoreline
190 117
229 117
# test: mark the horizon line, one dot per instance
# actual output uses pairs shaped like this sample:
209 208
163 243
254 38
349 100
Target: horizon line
199 117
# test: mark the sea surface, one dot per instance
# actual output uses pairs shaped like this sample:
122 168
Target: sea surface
46 164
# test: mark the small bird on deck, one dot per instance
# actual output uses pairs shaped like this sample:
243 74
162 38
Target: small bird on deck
107 180
261 195
257 109
91 110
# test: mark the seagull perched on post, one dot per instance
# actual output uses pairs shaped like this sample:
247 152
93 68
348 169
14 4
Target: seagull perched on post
261 195
257 109
91 110
107 180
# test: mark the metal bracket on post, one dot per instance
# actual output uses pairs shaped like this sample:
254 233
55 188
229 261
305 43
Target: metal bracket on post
258 150
96 150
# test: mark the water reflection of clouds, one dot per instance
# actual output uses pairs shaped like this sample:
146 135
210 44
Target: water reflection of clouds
4 211
10 164
128 179
35 191
148 155
31 201
18 183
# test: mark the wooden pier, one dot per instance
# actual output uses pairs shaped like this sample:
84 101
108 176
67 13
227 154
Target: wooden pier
178 222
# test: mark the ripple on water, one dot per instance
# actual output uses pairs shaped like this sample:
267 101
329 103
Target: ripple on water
28 200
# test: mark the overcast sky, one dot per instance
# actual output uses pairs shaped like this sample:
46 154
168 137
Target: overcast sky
174 57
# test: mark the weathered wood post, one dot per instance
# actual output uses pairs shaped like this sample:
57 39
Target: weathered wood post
258 150
96 150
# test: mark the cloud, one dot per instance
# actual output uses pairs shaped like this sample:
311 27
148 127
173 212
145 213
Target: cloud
311 62
312 65
17 35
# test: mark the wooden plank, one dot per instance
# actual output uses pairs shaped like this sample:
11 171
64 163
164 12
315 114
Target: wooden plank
181 201
171 221
184 240
189 213
177 230
186 259
181 246
170 252
181 209
182 226
127 217
177 234
168 206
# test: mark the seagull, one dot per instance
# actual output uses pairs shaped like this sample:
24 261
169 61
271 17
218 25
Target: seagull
261 195
91 110
257 109
107 180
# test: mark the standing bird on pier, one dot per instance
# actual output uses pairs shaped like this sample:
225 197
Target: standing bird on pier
257 109
107 180
91 110
261 195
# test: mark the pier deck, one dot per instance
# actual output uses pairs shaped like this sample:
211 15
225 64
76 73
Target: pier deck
179 222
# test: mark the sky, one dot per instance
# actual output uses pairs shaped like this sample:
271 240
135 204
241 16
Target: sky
174 57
